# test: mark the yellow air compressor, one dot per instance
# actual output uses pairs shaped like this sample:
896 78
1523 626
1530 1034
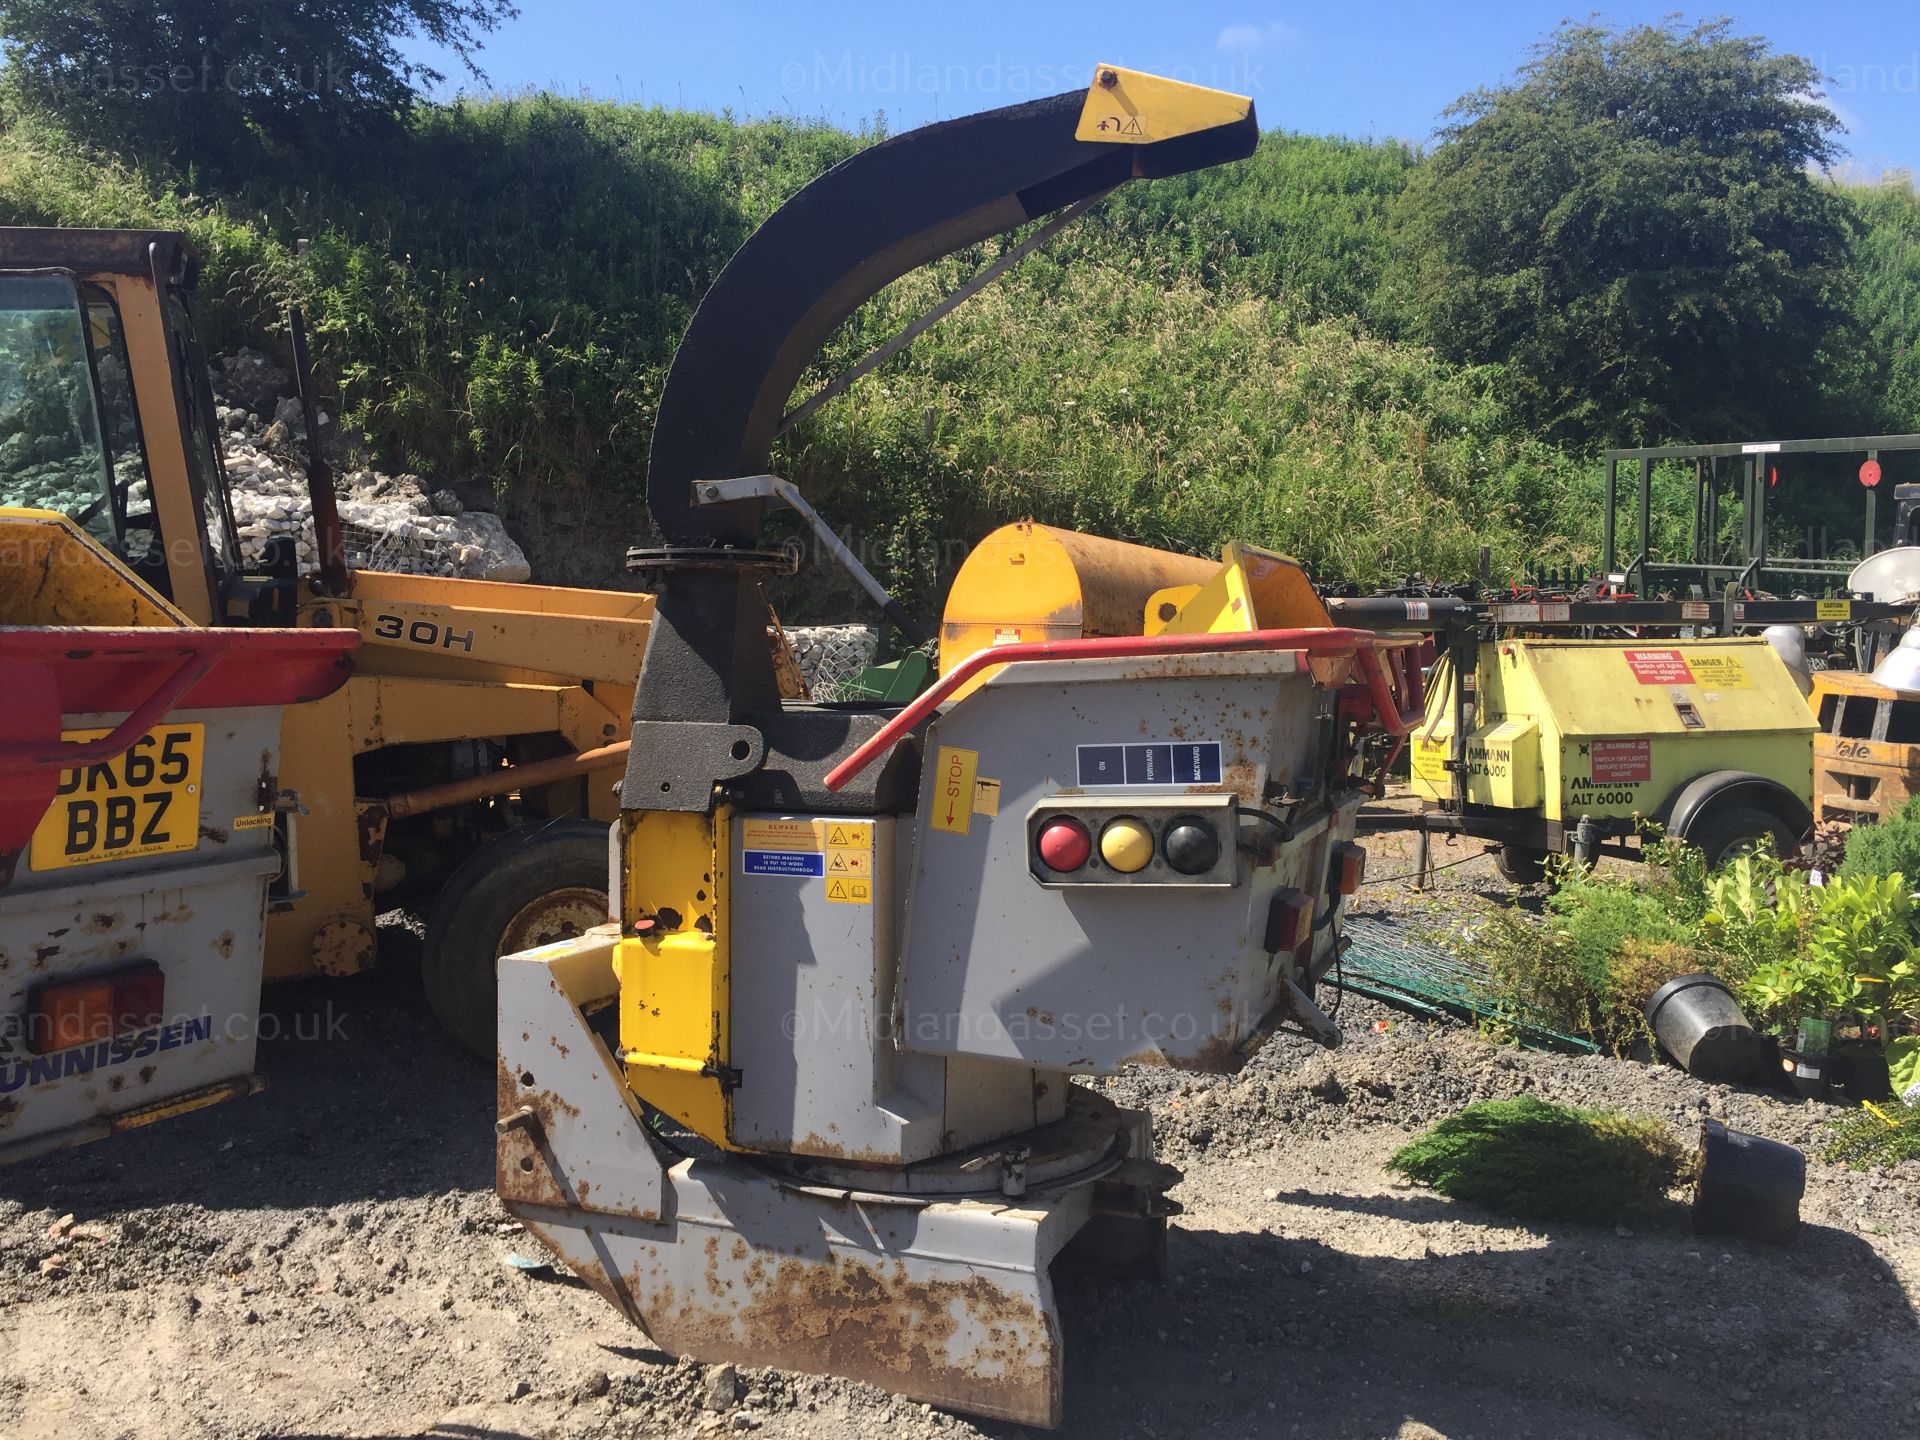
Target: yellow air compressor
1554 746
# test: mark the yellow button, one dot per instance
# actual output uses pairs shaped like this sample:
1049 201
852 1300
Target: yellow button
1126 845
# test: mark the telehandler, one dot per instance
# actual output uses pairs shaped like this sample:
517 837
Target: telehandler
810 1099
465 768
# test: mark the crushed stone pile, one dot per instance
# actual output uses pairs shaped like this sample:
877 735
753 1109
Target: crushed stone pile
831 655
391 523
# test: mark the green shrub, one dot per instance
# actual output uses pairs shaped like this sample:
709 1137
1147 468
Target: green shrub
1884 1135
1891 846
1533 1160
498 288
1606 943
1839 949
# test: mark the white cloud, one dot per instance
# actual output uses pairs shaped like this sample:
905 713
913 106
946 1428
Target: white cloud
1257 37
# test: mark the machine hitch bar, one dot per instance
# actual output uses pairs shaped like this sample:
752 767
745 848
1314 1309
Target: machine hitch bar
1320 642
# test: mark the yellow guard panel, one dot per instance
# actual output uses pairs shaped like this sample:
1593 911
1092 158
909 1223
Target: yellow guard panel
676 981
54 573
1033 582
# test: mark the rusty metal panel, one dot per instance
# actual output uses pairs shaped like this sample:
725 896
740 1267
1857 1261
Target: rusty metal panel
561 1093
198 914
943 1298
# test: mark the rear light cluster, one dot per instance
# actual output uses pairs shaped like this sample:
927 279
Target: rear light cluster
1291 913
1184 840
99 1007
1346 868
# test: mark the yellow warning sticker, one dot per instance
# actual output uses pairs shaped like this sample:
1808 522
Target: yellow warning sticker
849 862
845 860
845 891
252 822
1719 672
1833 609
954 772
801 835
1430 759
986 797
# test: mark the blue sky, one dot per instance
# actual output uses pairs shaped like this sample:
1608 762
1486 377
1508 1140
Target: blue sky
1366 68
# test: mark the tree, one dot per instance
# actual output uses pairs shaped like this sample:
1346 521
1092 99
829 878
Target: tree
1888 300
1636 228
195 80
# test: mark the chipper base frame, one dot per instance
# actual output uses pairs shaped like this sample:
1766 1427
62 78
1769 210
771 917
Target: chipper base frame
946 1300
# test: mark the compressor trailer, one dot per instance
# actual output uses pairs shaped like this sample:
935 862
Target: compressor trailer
1546 741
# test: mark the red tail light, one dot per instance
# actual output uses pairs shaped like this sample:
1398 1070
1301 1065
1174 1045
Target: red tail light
80 1012
1289 921
1346 867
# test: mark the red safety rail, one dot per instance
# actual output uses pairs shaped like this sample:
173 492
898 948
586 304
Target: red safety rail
47 673
1394 713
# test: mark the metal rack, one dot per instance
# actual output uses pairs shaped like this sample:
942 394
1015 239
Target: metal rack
1752 465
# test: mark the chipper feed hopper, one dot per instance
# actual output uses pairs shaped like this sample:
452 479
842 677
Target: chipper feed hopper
139 765
810 1100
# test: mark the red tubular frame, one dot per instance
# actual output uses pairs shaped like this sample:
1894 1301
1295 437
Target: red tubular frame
1325 641
147 673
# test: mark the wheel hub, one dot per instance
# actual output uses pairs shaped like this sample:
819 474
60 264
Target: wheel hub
557 915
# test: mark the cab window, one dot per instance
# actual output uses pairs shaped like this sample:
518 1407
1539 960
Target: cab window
131 499
202 441
54 452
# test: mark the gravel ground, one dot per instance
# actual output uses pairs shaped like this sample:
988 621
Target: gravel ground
328 1260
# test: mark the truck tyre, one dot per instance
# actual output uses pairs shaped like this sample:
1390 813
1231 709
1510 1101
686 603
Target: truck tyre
529 887
1521 864
1727 832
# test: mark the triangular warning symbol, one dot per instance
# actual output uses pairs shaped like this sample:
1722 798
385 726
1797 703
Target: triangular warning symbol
836 891
838 863
837 836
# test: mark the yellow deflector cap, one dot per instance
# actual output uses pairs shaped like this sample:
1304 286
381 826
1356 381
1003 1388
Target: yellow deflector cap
1126 107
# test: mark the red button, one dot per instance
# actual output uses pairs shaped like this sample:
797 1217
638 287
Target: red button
1065 844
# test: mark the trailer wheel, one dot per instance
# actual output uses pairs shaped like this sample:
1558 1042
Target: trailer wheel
1521 864
1727 832
530 887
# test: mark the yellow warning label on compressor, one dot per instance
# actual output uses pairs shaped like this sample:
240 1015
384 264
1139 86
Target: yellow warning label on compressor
1715 670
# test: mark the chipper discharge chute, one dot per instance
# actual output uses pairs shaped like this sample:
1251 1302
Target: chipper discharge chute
809 1101
138 794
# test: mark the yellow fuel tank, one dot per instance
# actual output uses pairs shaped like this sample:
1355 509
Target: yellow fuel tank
1033 582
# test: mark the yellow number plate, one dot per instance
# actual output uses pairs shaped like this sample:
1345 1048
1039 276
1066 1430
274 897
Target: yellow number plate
145 802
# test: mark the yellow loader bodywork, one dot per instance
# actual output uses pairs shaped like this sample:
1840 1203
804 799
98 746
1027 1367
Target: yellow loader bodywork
415 766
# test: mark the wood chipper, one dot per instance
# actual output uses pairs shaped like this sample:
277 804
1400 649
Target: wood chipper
139 784
809 1101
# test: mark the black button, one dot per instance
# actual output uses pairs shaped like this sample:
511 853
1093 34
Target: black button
1192 845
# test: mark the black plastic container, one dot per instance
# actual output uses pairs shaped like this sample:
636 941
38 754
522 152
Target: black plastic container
1700 1025
1810 1077
1748 1186
1862 1073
